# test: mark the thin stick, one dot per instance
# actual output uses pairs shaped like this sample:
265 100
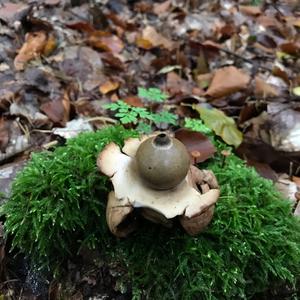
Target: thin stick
244 59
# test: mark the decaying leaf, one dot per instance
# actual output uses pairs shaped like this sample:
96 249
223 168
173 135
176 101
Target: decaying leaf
58 111
227 81
73 128
151 37
35 45
250 10
161 8
4 134
9 11
198 144
105 41
264 89
108 86
222 125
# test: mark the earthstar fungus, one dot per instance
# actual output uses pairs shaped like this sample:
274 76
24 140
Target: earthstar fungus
153 177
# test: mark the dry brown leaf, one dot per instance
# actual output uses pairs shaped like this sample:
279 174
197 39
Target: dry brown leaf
9 11
34 46
4 134
296 180
227 81
160 8
198 145
50 45
105 41
268 21
292 48
264 89
134 101
57 110
108 86
177 85
155 39
250 10
144 44
281 74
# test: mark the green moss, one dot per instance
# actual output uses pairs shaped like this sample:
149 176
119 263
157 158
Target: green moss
253 243
57 201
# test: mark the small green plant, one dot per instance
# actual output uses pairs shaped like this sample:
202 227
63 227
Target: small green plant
127 113
197 125
256 2
152 94
143 117
140 116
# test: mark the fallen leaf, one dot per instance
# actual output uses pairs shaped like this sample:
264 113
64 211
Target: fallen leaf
250 10
281 74
227 81
82 27
52 2
73 128
9 11
296 180
112 61
161 8
152 37
34 46
263 169
108 86
56 110
296 91
143 43
264 89
268 21
222 125
134 101
51 45
292 48
105 41
198 145
4 134
177 85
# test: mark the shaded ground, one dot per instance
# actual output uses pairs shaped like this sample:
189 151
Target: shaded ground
61 61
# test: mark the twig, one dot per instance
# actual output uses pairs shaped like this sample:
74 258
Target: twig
244 59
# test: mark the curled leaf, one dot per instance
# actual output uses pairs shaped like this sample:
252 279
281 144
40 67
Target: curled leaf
222 125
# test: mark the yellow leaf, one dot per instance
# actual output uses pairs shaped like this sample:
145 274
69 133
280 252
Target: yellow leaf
222 125
296 91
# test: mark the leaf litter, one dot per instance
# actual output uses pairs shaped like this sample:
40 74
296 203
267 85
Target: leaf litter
237 64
